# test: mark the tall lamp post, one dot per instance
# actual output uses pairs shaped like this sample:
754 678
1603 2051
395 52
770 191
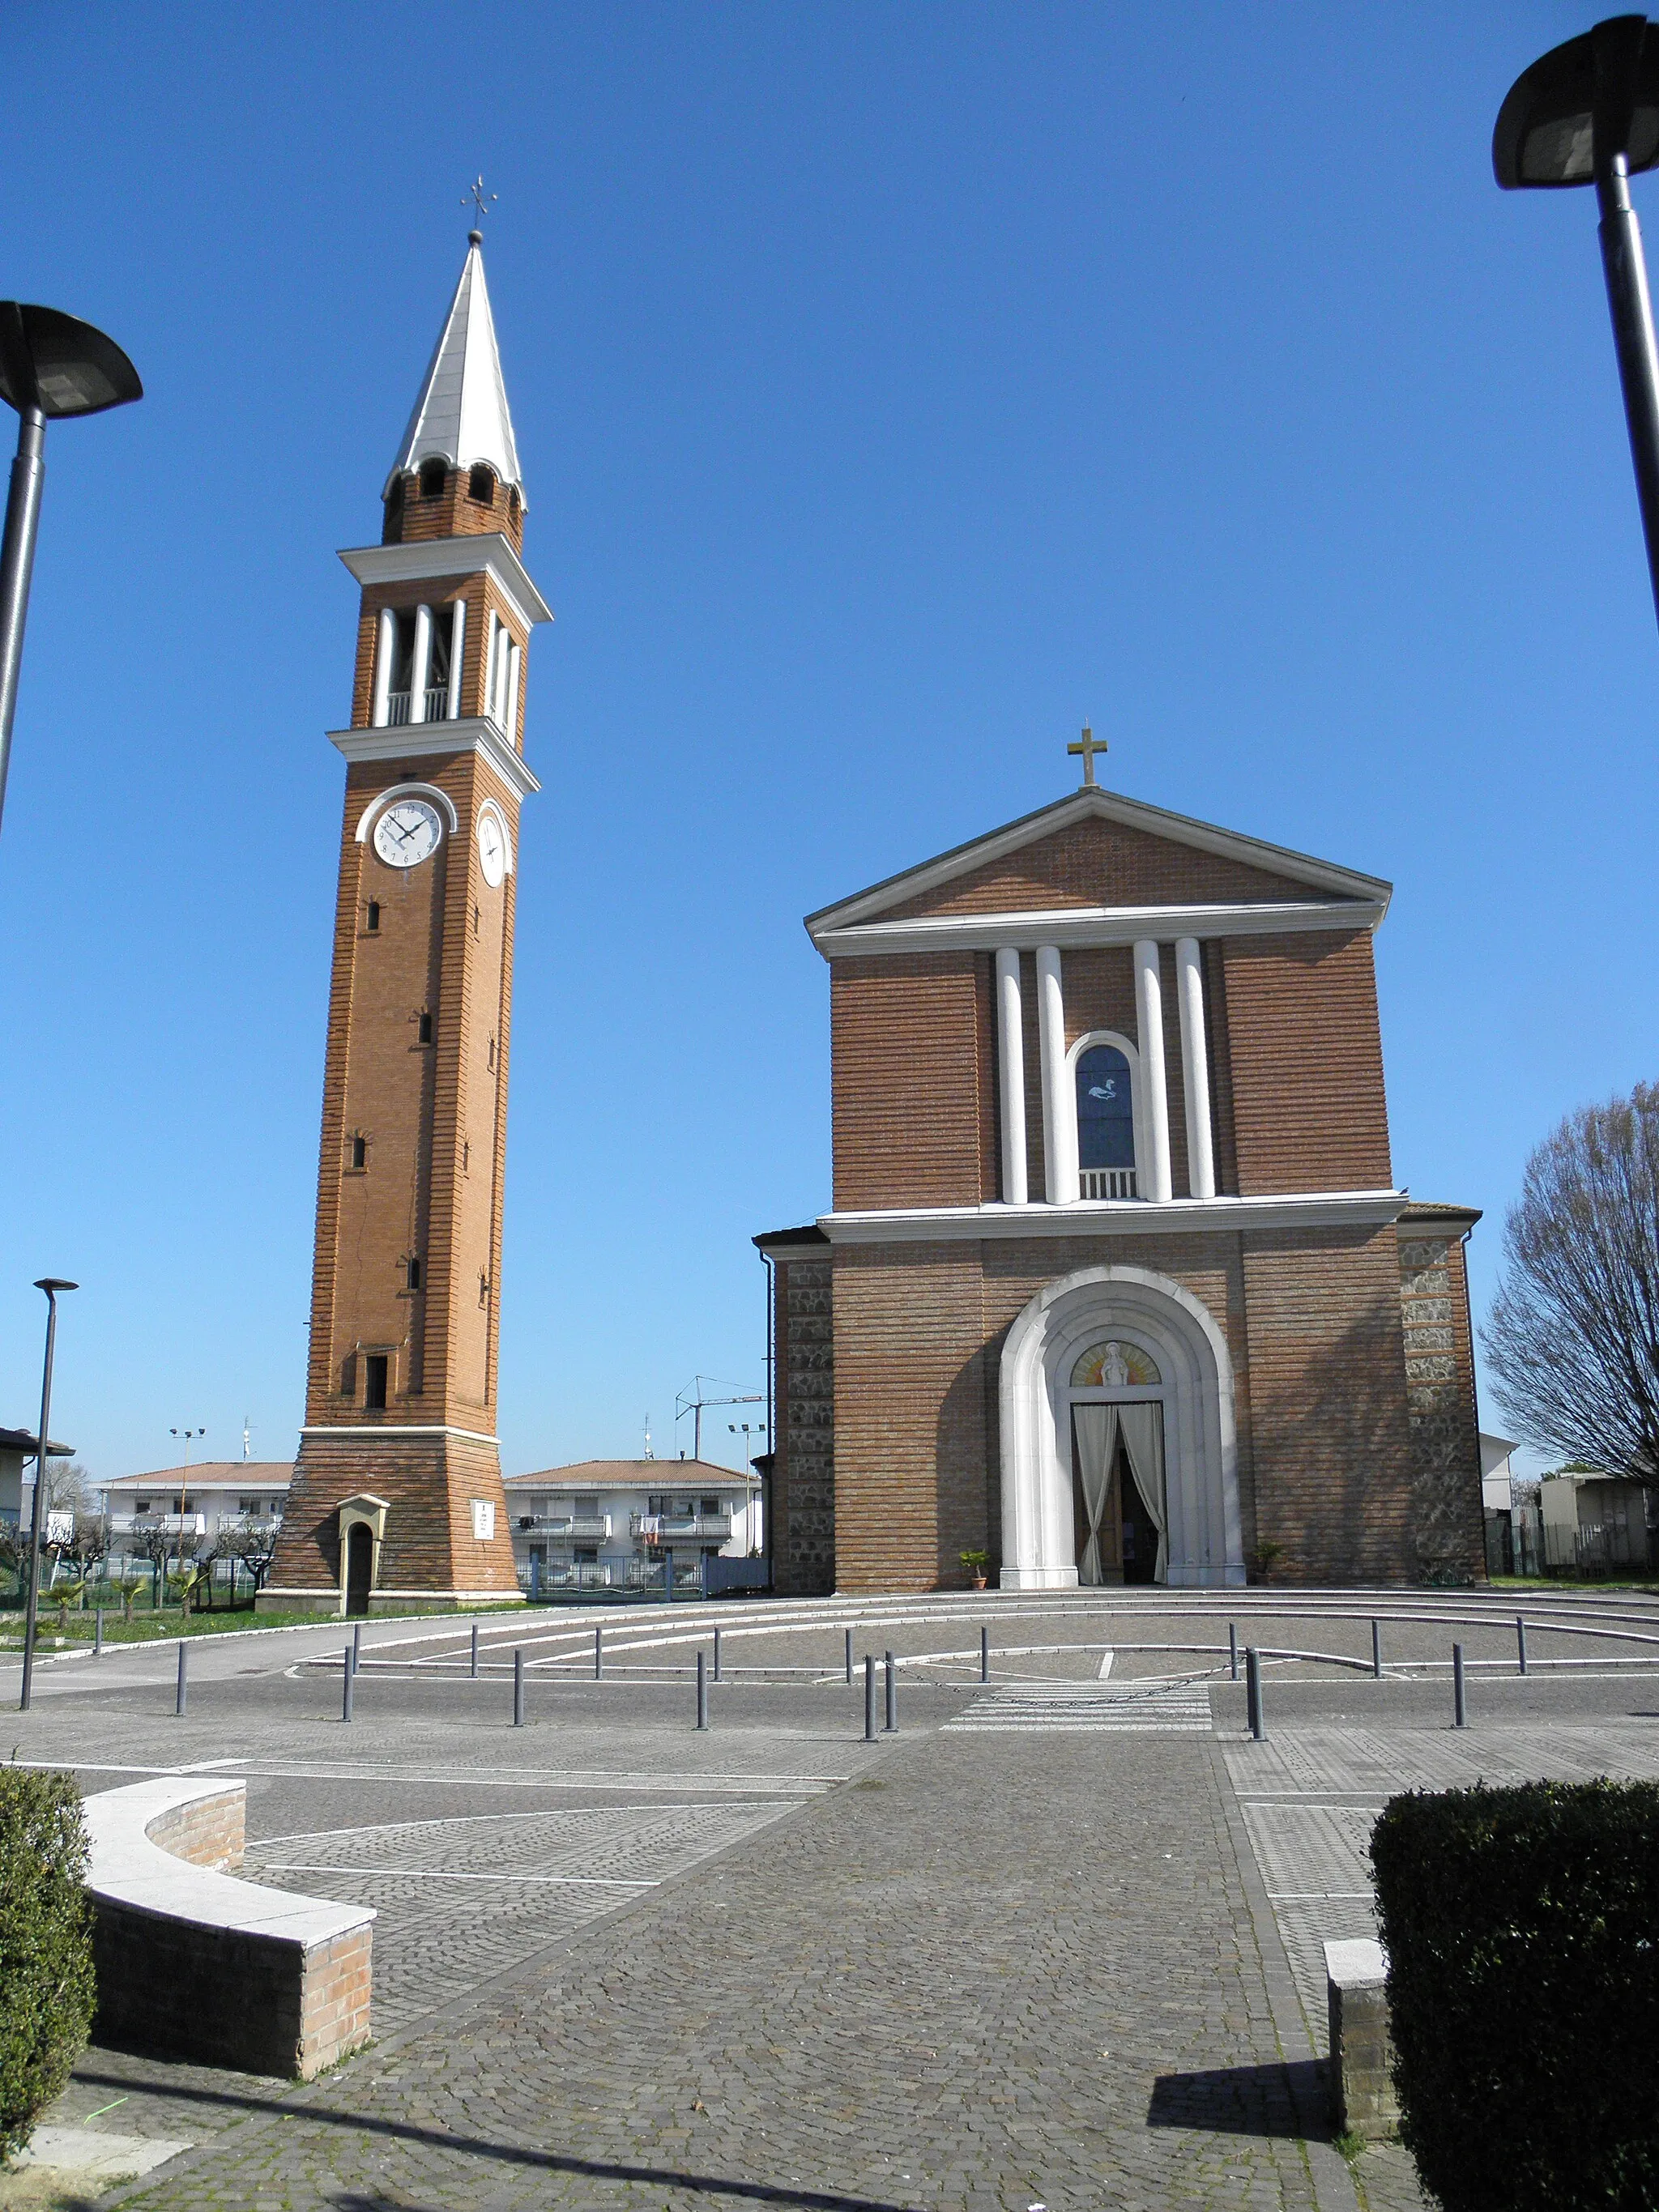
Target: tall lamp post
1589 112
184 1489
51 366
51 1285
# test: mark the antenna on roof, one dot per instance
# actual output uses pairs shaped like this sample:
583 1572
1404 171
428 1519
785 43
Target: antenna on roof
248 1432
648 1452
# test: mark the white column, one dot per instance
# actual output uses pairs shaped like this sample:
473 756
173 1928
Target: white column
515 668
421 667
1010 1069
1155 1181
386 651
1196 1067
457 641
1059 1093
503 656
492 638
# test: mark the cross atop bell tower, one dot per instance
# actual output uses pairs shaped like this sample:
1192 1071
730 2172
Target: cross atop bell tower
396 1497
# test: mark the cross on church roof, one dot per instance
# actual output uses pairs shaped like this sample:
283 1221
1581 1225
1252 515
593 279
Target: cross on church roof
1089 747
481 200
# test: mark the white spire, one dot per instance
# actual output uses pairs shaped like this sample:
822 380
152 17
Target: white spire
461 416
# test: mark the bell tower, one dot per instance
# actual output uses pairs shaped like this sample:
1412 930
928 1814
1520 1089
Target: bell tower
397 1499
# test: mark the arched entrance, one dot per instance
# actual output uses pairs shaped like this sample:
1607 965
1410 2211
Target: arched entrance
360 1566
1069 1434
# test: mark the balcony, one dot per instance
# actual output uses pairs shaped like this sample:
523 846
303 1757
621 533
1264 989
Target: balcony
248 1524
1108 1182
397 708
398 705
172 1525
571 1528
437 704
669 1529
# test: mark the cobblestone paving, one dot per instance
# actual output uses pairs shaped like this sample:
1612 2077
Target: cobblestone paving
1160 1707
463 1900
984 1976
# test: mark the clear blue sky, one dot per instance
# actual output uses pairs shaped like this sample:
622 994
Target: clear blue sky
896 385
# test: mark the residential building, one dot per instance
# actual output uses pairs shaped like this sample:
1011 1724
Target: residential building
609 1524
1594 1520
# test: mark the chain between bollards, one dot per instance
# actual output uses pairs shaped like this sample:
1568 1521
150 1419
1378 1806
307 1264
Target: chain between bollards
849 1654
1376 1649
717 1654
517 1689
184 1678
1520 1641
349 1669
869 1697
1460 1709
890 1726
702 1692
475 1650
985 1655
1232 1648
1253 1693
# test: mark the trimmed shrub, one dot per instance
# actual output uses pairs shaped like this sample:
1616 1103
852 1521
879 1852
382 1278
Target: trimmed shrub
46 1986
1523 1992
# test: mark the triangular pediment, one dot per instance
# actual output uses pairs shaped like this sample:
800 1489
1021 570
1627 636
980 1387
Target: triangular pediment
1097 850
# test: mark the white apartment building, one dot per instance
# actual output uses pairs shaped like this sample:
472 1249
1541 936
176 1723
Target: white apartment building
610 1523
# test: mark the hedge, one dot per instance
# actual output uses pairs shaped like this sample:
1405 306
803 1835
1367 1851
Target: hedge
46 1986
1523 1992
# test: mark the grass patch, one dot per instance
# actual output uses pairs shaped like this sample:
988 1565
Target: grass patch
168 1625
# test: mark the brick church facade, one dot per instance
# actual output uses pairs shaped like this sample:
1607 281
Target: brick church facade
1117 1285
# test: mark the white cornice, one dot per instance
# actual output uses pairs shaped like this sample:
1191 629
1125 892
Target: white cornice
469 734
489 554
1094 925
1328 1209
1091 804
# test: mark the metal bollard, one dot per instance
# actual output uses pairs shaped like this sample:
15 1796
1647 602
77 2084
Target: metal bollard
598 1652
702 1692
849 1654
1459 1710
356 1647
869 1697
717 1654
892 1726
1520 1641
1232 1648
668 1578
985 1655
182 1679
349 1671
1252 1693
517 1689
98 1634
475 1650
1377 1649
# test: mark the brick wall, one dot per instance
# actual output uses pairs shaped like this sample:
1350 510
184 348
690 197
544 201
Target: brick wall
430 1483
913 1082
209 1832
453 511
804 1532
1097 864
1439 1354
1306 1060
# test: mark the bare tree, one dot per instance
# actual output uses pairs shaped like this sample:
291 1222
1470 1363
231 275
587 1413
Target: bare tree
1573 1335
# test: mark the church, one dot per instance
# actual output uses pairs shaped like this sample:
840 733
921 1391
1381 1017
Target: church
1116 1285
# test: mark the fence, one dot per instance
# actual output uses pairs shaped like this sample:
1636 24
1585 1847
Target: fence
1595 1547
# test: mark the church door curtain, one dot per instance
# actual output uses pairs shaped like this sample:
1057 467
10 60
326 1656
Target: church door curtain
1201 1538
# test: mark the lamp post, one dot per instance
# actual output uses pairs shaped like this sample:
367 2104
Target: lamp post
51 1285
51 366
1587 113
184 1435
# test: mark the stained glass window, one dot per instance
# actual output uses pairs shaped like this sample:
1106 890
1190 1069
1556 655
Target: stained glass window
1105 1110
1114 1366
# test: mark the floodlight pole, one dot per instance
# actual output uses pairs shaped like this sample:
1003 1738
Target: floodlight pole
1632 334
29 474
52 1285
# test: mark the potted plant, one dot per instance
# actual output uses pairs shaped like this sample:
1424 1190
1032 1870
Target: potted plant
976 1563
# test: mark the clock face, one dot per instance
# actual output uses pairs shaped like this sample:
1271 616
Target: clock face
492 850
408 833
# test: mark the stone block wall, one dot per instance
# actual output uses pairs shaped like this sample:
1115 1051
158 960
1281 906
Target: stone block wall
804 1478
1439 1354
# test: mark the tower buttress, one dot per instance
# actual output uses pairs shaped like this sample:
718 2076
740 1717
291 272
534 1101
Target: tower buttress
396 1498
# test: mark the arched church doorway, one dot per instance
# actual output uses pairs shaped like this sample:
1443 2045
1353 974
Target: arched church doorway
1119 1456
360 1566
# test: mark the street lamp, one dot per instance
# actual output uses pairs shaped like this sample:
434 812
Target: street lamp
51 365
51 1285
1588 112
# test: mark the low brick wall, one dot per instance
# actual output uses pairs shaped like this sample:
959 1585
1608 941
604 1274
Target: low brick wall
196 1964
